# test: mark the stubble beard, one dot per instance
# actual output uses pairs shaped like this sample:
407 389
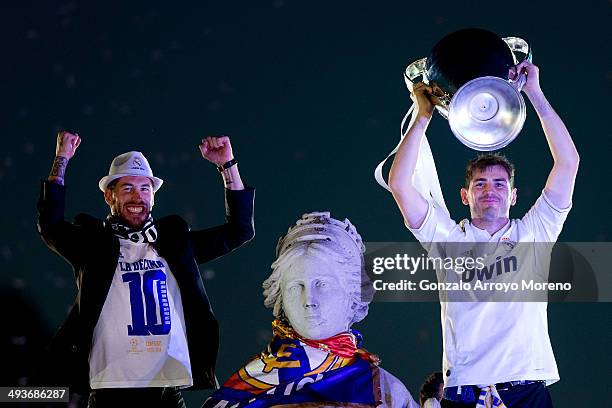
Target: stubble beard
133 220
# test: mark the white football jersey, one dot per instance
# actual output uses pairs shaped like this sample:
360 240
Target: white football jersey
491 342
139 339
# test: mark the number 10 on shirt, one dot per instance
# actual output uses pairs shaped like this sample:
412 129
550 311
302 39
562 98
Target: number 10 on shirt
149 303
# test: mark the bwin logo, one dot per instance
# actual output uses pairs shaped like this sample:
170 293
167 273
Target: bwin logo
507 264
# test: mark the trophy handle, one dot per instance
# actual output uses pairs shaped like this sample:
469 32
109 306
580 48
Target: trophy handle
521 51
413 71
417 70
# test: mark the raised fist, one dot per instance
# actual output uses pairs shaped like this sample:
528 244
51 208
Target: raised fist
426 97
67 144
217 150
532 73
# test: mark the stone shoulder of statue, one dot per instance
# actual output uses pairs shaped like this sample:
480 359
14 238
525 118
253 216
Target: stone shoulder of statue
394 393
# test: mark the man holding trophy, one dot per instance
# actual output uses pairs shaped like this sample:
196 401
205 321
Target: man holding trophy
494 353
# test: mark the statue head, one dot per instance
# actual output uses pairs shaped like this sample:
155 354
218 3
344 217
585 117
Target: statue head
318 283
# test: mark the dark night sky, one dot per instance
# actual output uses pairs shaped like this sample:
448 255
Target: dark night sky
311 94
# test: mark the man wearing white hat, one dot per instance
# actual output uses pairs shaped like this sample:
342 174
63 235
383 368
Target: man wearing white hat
141 327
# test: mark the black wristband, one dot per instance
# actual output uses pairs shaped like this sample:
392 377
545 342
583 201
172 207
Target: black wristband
226 165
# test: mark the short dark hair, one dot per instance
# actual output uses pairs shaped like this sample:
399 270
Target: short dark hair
485 160
112 184
429 389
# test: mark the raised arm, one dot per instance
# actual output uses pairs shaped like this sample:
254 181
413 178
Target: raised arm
59 235
401 182
218 150
238 229
560 183
65 148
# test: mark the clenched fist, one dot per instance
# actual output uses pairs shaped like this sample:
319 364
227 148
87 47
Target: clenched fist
217 150
67 144
532 73
426 97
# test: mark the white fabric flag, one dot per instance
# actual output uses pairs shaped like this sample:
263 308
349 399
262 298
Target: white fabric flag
425 177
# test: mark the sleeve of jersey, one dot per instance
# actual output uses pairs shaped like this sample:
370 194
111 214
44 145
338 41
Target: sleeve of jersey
238 229
545 220
436 227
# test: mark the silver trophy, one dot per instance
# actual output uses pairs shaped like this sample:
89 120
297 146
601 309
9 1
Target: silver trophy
485 110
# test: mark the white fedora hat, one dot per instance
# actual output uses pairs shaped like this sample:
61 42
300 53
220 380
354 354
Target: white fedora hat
129 164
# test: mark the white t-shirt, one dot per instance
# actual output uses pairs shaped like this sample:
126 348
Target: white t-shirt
432 403
491 342
140 340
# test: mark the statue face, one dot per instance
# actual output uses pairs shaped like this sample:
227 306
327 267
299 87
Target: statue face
315 301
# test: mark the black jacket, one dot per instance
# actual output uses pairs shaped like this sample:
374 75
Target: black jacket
93 252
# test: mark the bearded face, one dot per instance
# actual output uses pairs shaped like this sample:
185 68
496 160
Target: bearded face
131 199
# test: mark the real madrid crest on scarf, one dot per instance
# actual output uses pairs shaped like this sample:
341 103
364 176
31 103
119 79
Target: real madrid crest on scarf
298 372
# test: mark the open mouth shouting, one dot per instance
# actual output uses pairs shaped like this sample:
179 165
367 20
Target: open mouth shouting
135 211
